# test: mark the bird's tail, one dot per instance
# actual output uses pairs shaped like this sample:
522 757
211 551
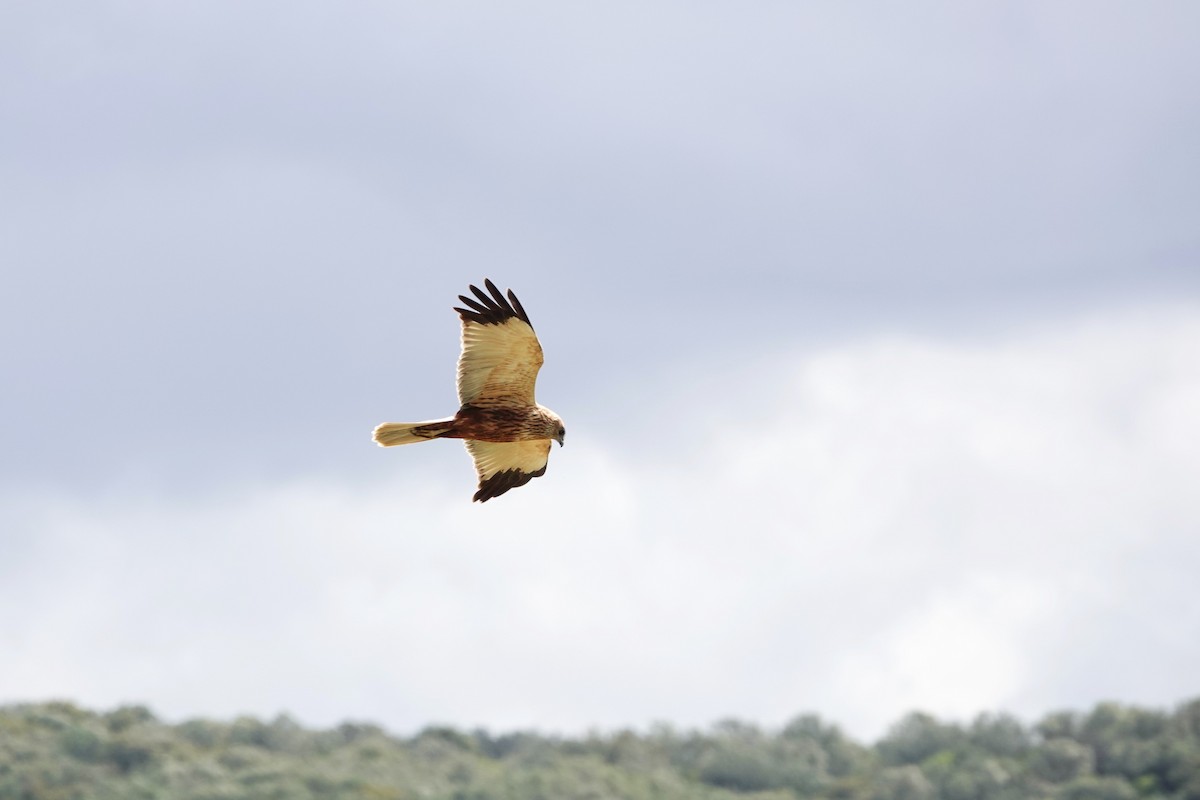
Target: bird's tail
390 434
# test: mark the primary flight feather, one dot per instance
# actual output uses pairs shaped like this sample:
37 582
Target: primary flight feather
506 432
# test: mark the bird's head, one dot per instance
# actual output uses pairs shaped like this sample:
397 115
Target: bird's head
554 425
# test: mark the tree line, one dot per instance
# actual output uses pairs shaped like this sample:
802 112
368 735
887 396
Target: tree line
59 751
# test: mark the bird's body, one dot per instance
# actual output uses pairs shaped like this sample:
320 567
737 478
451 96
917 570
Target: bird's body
507 433
483 423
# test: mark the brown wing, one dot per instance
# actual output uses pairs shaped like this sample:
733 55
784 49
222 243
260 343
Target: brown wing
506 465
501 354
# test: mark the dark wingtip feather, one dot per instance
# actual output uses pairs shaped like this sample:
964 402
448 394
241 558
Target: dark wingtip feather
498 296
469 316
493 308
501 482
519 308
482 309
491 287
482 295
494 486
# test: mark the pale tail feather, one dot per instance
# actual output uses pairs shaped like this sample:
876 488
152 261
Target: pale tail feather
390 434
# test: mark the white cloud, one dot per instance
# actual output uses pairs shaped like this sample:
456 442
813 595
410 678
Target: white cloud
899 523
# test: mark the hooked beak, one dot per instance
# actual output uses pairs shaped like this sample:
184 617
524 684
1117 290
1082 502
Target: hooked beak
559 439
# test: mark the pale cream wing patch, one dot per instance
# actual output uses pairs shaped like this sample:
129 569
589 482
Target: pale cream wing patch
498 361
506 465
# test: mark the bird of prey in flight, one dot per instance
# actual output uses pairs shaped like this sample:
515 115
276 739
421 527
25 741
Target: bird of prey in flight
506 432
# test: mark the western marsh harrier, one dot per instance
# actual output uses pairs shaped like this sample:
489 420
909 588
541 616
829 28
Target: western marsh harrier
506 432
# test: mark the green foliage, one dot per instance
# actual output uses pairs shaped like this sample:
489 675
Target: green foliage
82 744
1001 735
57 751
1061 759
903 783
1092 788
917 737
127 717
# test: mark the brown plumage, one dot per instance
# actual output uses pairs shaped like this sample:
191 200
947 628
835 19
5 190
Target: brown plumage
506 432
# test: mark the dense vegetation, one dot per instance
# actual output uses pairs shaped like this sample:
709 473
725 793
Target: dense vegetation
57 751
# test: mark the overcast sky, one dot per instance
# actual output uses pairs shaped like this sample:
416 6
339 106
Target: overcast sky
875 327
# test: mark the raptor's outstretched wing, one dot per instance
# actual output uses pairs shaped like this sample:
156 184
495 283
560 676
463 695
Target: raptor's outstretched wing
506 465
501 354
